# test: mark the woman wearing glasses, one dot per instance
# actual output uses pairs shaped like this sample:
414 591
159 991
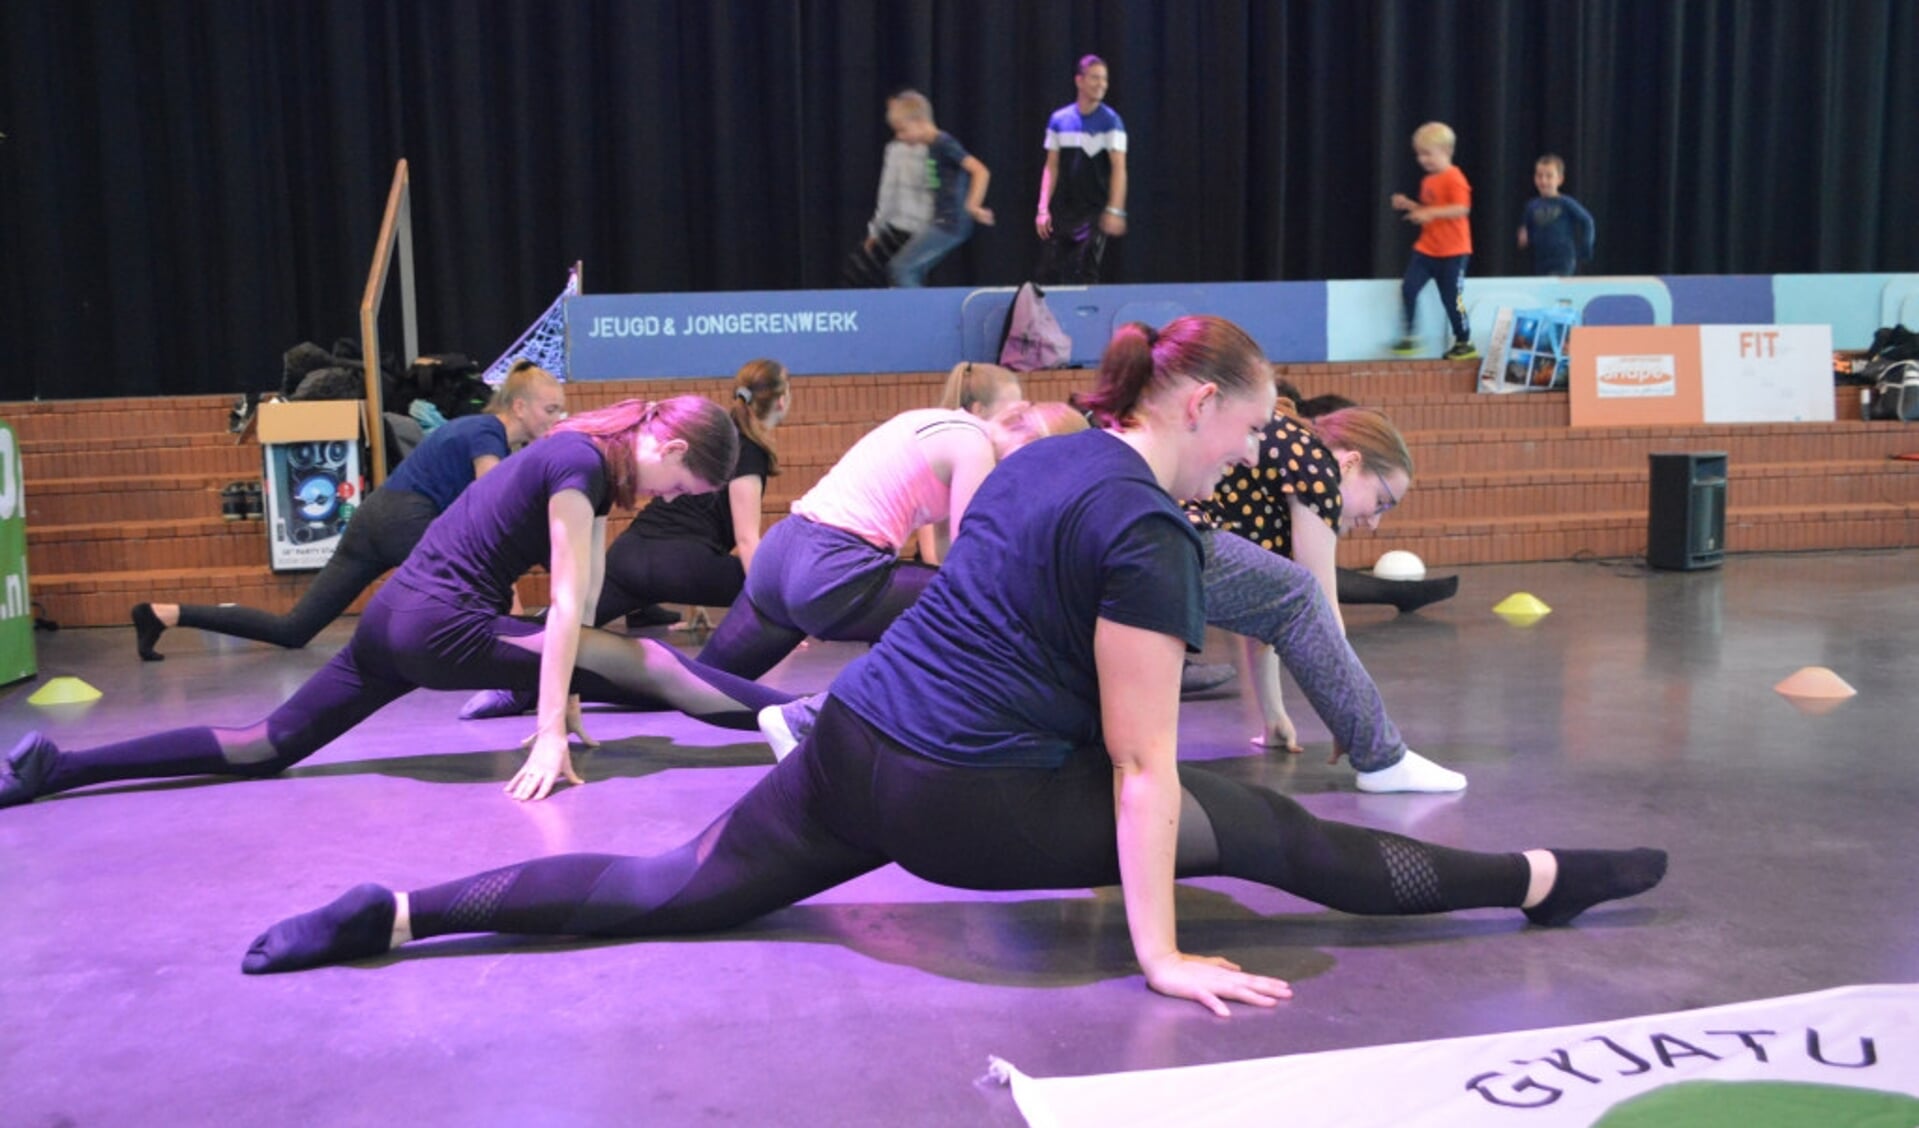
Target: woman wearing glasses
1343 470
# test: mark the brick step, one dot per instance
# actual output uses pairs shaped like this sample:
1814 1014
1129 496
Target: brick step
1502 540
117 419
1561 491
102 599
157 497
1468 451
154 455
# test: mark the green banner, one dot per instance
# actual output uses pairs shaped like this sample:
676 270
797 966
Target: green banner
16 608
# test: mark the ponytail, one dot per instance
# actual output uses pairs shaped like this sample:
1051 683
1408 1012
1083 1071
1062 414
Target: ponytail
971 385
757 388
1141 360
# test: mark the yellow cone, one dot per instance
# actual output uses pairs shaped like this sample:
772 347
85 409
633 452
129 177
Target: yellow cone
64 691
1521 609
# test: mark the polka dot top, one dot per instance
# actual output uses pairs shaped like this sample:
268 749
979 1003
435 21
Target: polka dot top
1251 500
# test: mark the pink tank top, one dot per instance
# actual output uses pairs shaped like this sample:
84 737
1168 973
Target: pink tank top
883 488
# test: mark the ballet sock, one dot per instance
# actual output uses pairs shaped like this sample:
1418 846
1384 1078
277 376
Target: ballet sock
1413 772
147 629
23 774
1588 877
490 703
356 925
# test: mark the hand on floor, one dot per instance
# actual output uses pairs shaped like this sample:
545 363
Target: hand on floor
1211 980
1280 733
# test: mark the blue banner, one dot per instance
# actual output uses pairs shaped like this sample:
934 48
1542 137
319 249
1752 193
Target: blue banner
657 336
641 336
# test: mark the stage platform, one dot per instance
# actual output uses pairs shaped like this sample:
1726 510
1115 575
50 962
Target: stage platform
1638 712
124 495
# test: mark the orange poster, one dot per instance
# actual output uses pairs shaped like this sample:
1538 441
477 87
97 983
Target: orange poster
1636 375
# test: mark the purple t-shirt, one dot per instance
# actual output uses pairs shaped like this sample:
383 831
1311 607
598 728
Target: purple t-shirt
497 528
994 666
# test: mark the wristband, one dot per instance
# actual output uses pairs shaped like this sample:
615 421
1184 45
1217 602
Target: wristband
1116 211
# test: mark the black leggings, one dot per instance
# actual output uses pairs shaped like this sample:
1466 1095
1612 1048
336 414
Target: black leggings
850 800
406 642
377 540
642 570
812 579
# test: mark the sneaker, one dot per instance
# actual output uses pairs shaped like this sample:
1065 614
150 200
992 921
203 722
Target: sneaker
784 726
1406 346
1462 350
490 703
1198 677
233 501
1413 773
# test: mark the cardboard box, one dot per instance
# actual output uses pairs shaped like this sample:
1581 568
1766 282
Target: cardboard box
283 422
313 483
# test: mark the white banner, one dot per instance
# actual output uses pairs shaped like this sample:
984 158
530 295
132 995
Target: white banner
1837 1059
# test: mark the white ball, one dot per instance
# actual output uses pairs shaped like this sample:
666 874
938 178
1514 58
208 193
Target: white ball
1400 565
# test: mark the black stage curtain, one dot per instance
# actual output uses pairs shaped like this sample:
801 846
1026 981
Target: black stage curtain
187 187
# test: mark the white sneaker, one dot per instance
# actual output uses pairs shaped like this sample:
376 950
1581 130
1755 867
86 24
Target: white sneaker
1413 773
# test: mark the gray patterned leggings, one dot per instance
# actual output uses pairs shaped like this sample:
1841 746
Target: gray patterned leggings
1265 596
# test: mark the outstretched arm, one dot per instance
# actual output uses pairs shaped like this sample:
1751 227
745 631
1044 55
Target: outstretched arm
570 521
744 496
1314 547
1139 712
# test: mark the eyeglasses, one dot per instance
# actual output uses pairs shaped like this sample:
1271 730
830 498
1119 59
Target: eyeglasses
1392 499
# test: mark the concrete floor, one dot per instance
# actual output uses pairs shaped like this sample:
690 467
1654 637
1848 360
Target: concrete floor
1639 712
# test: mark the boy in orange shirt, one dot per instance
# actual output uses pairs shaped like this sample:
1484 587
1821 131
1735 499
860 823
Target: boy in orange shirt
1445 241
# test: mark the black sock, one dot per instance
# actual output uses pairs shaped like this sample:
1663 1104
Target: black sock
356 925
1587 877
147 629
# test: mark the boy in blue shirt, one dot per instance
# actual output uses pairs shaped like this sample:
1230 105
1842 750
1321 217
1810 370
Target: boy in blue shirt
1556 228
956 178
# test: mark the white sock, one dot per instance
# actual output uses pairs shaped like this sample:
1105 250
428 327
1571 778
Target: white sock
1413 773
402 921
773 728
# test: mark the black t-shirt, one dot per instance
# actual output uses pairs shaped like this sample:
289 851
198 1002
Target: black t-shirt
706 518
497 528
993 666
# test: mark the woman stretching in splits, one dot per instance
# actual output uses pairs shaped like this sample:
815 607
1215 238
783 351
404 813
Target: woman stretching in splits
1017 729
681 549
1347 469
383 533
832 570
441 623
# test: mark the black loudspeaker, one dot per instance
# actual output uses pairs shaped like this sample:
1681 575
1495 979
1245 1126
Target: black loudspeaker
1686 511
